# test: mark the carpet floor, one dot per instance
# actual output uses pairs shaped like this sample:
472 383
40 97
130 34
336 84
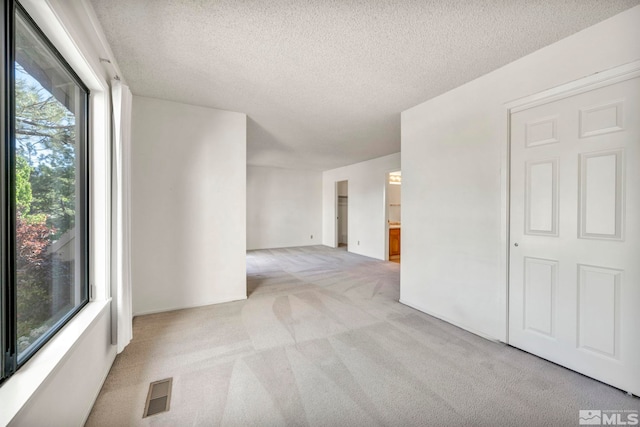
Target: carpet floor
323 341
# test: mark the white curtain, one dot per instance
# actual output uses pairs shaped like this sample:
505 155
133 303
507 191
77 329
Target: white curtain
121 215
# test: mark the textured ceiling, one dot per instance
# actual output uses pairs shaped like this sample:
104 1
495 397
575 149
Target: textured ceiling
323 82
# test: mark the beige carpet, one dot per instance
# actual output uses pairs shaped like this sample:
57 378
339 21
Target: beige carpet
322 341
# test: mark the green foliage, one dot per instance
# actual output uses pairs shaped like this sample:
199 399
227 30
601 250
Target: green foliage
54 195
34 303
45 203
45 135
23 186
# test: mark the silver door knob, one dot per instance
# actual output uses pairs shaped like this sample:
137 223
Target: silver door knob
515 244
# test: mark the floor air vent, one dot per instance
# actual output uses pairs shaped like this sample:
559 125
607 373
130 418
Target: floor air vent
158 397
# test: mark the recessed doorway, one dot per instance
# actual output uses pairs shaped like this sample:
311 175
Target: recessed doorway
394 217
342 219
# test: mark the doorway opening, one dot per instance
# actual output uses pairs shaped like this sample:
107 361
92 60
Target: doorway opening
394 217
342 218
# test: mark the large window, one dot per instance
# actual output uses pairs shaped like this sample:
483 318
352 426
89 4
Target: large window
44 261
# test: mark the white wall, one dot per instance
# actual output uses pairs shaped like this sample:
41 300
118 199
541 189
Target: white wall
454 162
67 396
188 205
367 212
284 207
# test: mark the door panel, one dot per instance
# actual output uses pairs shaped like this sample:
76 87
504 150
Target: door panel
542 197
574 281
598 294
540 282
601 195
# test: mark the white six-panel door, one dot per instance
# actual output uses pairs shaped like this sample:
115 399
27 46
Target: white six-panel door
574 278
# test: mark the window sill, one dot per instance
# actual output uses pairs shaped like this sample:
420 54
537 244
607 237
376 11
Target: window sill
18 389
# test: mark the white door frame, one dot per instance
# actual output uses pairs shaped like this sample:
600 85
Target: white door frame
585 84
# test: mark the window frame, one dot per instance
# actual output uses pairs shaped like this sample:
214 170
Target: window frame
10 362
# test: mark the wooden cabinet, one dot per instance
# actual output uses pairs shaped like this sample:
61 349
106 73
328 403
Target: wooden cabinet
394 242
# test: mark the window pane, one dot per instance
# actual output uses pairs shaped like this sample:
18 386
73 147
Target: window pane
4 63
49 189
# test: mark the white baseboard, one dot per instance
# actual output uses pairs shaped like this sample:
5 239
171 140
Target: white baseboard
183 307
453 322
